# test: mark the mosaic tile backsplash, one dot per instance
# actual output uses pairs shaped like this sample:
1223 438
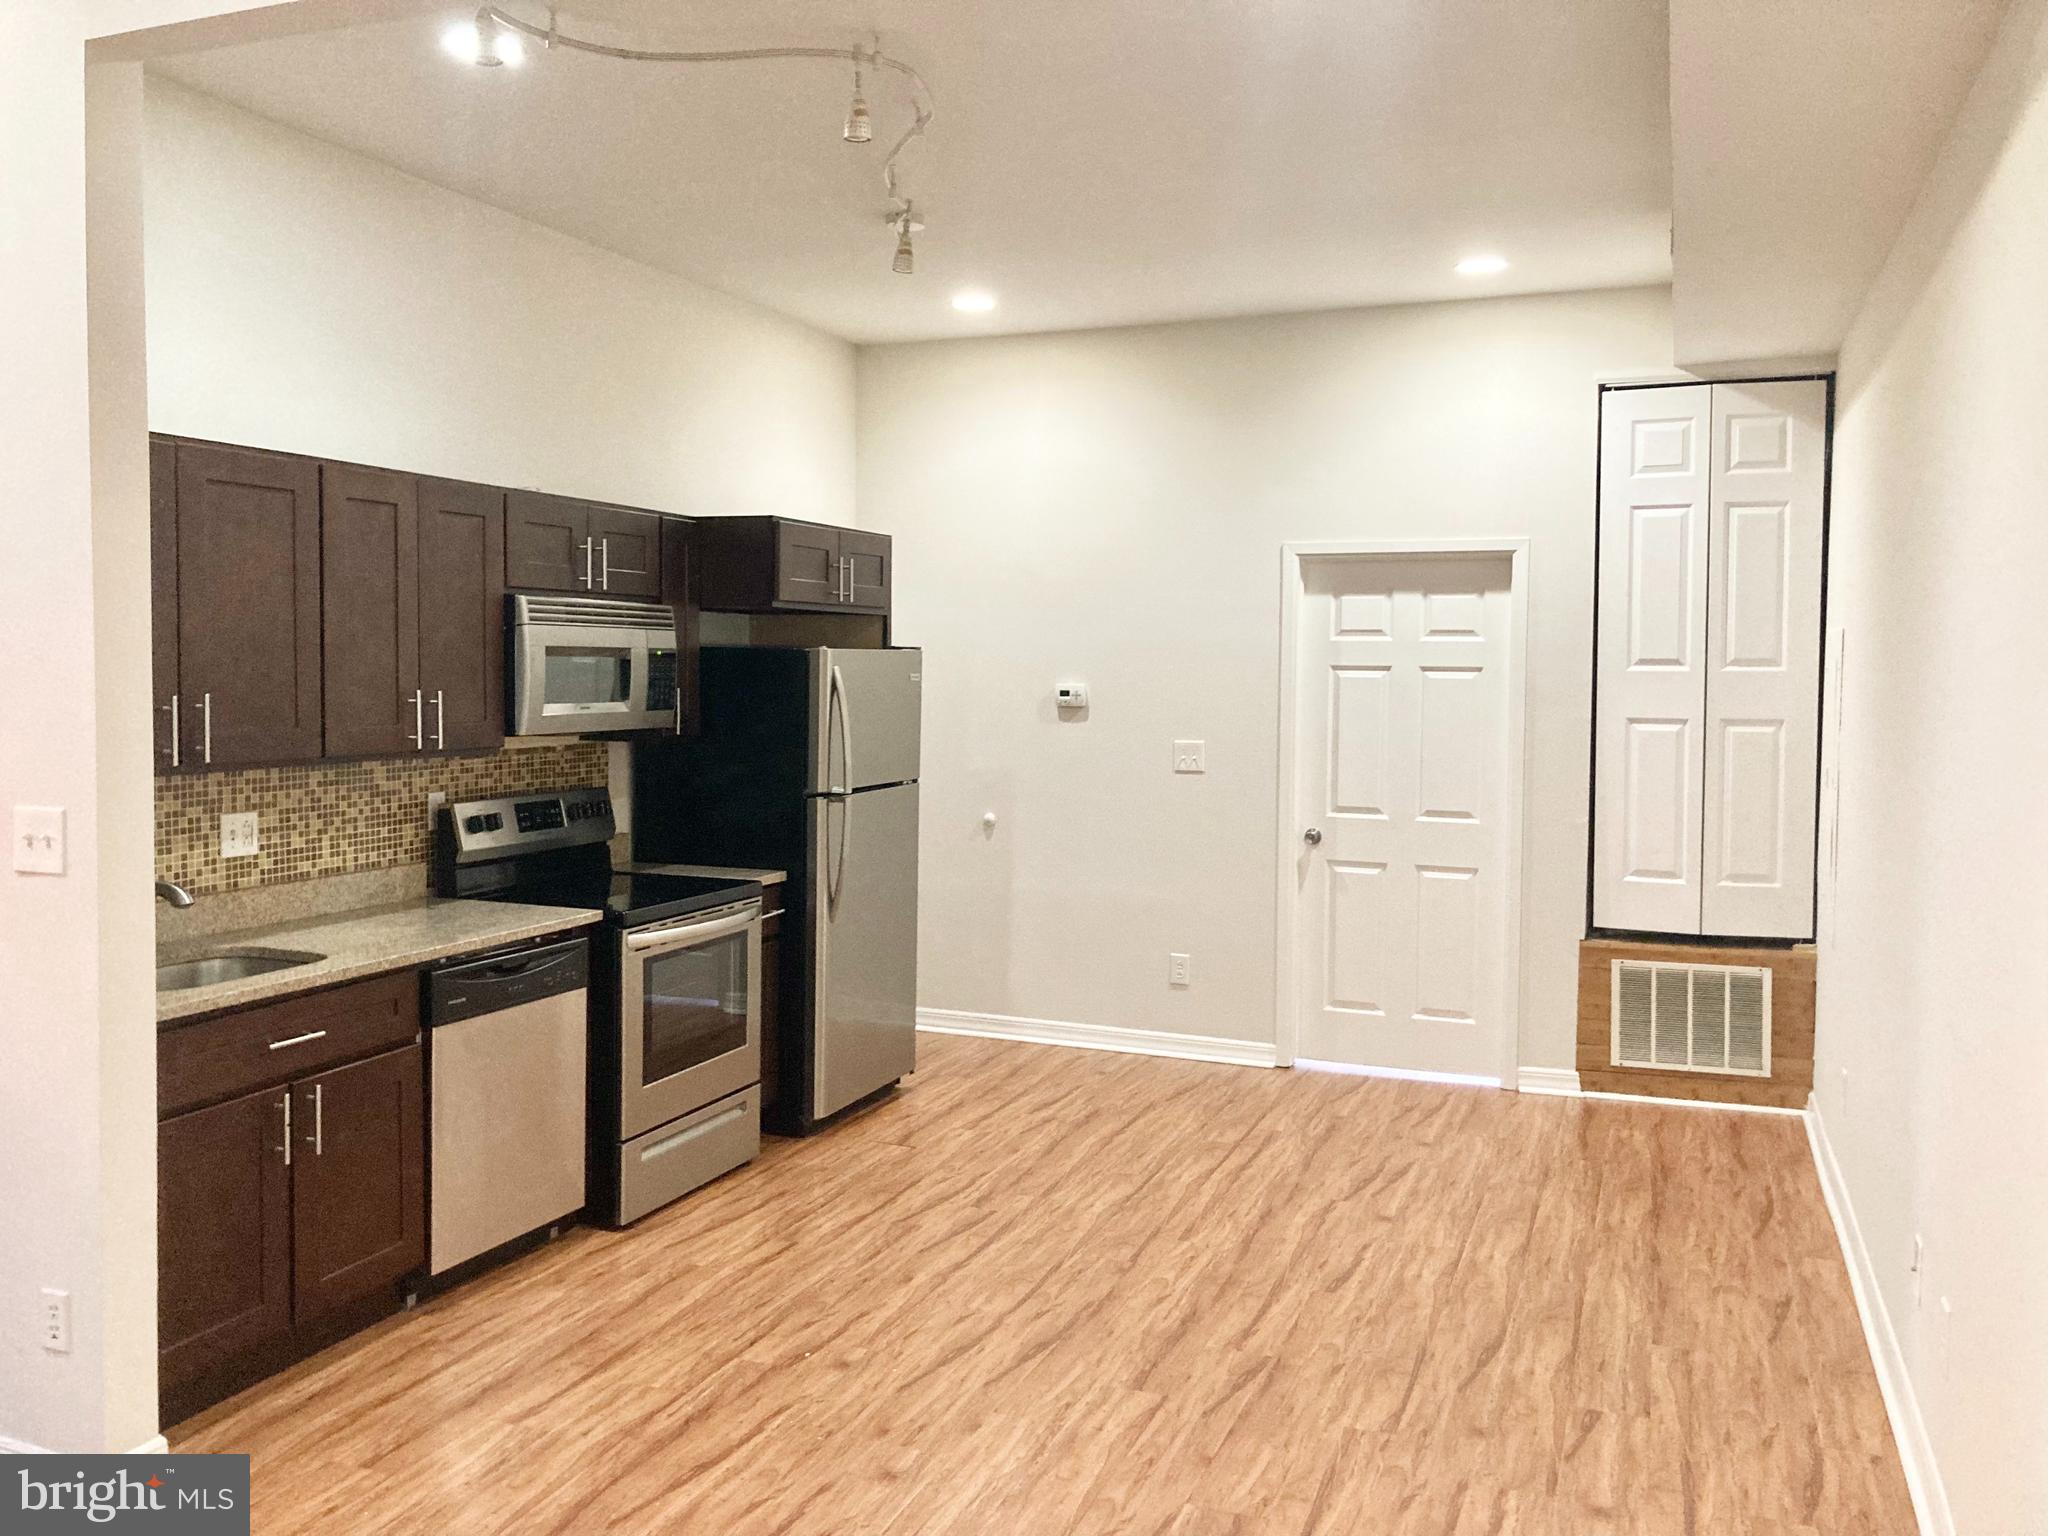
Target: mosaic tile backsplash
338 818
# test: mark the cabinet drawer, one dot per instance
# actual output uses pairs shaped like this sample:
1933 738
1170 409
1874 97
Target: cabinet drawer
240 1052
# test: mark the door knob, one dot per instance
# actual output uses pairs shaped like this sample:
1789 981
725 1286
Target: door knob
1312 836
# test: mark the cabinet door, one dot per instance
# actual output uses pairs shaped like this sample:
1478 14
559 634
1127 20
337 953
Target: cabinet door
223 1236
1763 658
1651 674
462 614
163 599
248 606
359 1188
806 563
628 551
370 605
547 543
869 568
679 586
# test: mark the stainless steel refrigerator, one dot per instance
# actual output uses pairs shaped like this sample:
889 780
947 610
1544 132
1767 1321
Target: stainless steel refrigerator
808 762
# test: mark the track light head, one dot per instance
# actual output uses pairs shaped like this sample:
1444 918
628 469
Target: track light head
906 260
858 129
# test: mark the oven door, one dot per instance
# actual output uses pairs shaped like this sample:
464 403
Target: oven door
690 1014
569 678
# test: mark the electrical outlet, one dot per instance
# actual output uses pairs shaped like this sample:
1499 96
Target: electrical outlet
1177 970
1919 1270
1188 757
239 838
39 839
56 1321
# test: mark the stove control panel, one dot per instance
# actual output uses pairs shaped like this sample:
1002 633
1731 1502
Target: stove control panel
475 830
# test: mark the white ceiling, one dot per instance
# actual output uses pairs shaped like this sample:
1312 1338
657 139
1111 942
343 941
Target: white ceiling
1803 131
1092 163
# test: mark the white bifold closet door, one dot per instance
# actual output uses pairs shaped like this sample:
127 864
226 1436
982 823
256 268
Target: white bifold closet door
1651 667
1708 672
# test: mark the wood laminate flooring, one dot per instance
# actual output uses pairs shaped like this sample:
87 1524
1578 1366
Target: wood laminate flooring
1051 1291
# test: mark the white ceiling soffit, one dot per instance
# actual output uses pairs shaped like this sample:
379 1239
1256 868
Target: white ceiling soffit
1092 163
1801 133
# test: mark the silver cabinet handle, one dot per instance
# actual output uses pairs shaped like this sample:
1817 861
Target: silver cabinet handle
318 1148
440 721
589 563
286 1149
172 710
206 727
418 738
604 555
311 1034
1312 836
846 581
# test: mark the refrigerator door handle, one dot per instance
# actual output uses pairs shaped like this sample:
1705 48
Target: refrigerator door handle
837 879
836 710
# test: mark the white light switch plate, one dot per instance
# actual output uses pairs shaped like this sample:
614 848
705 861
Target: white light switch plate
39 839
1188 757
239 838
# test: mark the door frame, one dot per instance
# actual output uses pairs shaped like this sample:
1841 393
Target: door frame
1293 557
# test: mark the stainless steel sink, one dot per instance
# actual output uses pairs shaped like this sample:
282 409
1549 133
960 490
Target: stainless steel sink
227 965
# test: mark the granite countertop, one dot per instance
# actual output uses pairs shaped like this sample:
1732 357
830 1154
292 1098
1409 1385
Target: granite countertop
366 942
763 876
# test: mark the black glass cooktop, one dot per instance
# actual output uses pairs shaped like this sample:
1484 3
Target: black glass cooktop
628 899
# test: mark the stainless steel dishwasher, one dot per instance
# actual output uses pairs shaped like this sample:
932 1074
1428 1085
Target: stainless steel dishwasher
508 1034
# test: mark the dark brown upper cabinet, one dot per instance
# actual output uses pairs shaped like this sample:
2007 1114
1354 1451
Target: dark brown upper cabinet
370 599
358 1182
679 581
462 613
245 590
628 551
413 593
765 564
557 544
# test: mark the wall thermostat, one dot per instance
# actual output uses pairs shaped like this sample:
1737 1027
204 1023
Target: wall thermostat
1072 695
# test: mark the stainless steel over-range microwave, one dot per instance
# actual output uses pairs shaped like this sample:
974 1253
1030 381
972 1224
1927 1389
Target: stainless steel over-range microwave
589 664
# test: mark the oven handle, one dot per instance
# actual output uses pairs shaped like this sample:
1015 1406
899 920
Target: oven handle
681 935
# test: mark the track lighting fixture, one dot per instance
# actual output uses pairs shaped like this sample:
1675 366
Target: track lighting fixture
858 129
906 260
499 37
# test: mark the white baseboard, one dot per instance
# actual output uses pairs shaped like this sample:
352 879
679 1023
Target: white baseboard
1901 1405
1557 1080
155 1445
1097 1037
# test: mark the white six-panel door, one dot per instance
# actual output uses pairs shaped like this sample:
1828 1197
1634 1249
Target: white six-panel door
1401 793
1651 667
1763 658
1706 733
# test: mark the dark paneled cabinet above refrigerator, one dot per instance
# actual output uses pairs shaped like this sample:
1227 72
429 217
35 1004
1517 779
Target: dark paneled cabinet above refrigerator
772 564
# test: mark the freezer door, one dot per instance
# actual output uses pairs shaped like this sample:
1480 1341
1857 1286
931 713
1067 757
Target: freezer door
864 944
865 707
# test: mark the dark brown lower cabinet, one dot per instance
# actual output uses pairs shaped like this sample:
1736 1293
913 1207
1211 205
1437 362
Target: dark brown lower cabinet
288 1216
224 1261
358 1183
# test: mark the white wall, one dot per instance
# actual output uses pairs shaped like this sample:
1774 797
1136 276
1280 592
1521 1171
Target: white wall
1110 506
1933 1046
306 298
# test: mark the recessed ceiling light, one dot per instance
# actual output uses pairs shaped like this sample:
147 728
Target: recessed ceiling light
1482 266
465 41
974 301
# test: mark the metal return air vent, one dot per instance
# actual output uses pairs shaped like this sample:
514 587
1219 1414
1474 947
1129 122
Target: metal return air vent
1692 1018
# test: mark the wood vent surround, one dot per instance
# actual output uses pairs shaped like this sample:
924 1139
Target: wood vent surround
1791 1028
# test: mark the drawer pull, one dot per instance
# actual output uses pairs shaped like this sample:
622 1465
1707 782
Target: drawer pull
311 1034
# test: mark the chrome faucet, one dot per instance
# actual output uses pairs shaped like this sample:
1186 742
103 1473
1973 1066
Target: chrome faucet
174 893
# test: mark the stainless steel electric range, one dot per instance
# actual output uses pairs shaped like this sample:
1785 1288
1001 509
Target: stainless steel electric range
675 1041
